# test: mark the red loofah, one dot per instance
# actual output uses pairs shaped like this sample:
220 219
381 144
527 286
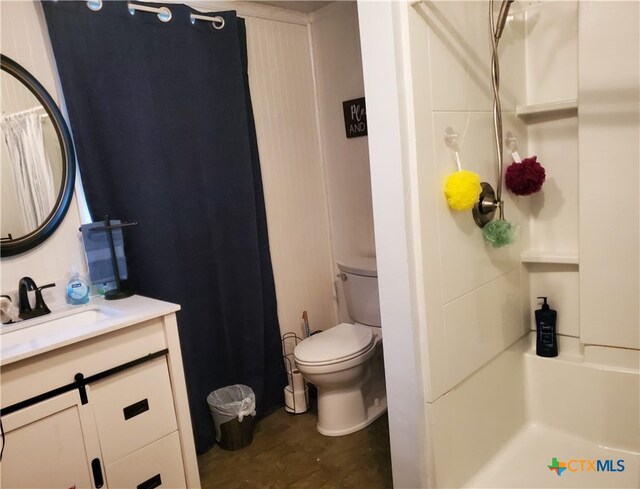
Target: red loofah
525 178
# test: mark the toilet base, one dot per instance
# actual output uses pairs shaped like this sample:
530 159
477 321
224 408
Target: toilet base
373 413
345 409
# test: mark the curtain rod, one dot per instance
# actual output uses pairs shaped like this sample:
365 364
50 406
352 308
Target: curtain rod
164 13
28 111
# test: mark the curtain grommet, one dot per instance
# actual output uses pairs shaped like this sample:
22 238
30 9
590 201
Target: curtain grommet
216 26
164 14
94 5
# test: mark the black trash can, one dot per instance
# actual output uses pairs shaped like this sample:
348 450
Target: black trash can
233 409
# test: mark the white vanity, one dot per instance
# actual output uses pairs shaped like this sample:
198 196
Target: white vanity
95 397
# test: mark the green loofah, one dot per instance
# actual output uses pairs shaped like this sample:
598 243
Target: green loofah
499 233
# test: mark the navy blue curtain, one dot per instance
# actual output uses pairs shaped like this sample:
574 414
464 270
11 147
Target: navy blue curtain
164 132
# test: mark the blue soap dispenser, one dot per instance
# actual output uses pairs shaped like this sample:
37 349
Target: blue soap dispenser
546 339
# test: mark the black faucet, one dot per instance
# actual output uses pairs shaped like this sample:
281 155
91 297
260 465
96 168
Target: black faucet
25 285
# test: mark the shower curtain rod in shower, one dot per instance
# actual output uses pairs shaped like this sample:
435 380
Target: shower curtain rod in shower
522 7
28 111
164 13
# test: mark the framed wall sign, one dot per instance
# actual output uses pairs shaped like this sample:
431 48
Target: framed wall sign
355 117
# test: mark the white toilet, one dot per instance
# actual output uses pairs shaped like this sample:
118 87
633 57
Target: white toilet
345 362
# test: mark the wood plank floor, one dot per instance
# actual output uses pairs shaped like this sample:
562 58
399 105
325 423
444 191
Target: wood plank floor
288 452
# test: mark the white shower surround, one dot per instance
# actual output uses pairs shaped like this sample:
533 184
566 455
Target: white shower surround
504 424
495 413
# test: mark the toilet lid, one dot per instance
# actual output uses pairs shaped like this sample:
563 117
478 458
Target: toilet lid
338 343
359 265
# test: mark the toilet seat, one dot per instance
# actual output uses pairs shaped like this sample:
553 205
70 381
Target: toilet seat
338 344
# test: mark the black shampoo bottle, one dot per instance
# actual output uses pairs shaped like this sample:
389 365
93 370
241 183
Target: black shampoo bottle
547 342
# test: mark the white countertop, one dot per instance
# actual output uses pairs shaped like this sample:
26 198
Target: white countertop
70 324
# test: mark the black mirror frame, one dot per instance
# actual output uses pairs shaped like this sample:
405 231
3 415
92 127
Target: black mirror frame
36 237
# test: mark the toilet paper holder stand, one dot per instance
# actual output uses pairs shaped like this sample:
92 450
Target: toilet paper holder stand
296 393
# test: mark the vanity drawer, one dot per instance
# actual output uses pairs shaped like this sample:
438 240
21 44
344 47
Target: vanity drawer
156 465
32 377
133 409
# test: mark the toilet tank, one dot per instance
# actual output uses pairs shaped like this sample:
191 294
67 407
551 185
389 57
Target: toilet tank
360 282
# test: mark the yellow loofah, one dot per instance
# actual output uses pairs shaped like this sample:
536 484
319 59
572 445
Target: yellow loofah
462 189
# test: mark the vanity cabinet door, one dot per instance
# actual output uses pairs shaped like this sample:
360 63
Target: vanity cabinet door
133 408
45 445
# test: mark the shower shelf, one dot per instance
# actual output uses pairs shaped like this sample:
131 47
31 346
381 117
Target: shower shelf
560 109
558 257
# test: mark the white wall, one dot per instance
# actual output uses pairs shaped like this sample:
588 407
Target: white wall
282 91
609 123
552 213
24 38
397 247
597 296
338 69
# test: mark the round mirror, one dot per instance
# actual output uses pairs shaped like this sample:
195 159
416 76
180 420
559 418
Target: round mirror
38 162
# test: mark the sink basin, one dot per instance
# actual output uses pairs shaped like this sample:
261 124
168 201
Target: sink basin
60 324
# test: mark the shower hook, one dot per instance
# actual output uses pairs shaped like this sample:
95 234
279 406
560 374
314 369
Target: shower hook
451 140
511 142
